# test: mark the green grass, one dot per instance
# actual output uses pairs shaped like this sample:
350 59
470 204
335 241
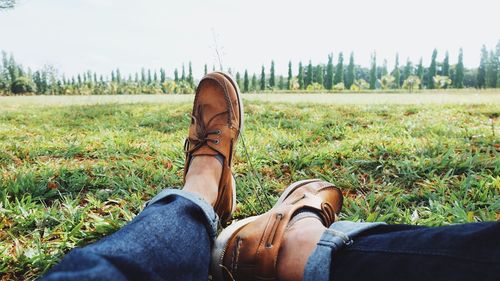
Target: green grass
70 175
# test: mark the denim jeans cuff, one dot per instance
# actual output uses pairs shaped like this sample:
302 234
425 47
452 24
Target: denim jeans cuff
211 217
338 235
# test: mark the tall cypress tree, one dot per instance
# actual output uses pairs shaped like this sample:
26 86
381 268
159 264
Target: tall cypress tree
205 70
118 76
373 72
281 82
262 79
432 70
481 72
458 82
309 75
254 82
272 78
350 75
492 70
143 75
190 78
300 76
383 71
238 80
339 71
318 75
183 75
446 65
245 82
497 53
163 75
290 76
420 72
176 75
329 73
408 70
150 80
396 73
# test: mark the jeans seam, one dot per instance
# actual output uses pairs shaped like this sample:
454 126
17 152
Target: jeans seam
421 253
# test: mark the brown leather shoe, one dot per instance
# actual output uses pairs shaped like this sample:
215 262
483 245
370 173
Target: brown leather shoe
248 249
217 120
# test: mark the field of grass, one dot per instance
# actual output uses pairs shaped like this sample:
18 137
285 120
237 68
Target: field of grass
71 174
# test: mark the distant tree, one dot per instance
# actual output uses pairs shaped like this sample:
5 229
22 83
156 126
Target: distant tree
190 78
441 82
300 76
155 77
262 79
408 70
481 72
458 82
396 73
497 53
113 77
350 75
183 73
290 75
329 73
384 71
246 82
150 77
373 72
143 75
319 74
7 4
420 71
411 83
309 75
339 70
281 82
445 71
118 76
163 75
205 70
492 70
254 82
176 75
23 85
387 81
272 78
432 71
238 80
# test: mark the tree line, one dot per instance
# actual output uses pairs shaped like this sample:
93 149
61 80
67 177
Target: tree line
329 76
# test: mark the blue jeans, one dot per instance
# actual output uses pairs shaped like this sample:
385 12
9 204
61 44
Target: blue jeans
171 240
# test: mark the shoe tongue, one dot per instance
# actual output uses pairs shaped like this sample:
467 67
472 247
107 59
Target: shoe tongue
205 150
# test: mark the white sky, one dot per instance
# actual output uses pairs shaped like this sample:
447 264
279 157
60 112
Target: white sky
100 35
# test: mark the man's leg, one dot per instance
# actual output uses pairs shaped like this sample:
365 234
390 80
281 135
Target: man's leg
170 240
353 251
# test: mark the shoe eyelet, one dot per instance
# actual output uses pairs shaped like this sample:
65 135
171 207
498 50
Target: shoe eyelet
218 132
217 141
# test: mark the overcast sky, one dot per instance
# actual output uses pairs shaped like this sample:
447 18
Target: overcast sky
100 35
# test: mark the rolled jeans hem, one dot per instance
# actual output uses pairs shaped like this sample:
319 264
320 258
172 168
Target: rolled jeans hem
338 235
212 220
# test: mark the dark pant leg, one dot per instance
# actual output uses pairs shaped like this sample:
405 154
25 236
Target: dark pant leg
402 252
169 240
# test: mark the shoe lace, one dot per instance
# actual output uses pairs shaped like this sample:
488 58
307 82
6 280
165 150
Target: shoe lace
202 134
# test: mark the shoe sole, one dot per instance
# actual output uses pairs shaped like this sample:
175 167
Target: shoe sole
241 124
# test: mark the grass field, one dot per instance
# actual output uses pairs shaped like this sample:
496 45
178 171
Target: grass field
71 174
